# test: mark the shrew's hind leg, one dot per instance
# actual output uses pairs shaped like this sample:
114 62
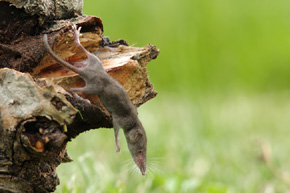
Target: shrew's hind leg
77 40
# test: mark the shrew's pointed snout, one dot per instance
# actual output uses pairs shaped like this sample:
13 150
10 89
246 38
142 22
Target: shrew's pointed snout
142 167
140 161
143 170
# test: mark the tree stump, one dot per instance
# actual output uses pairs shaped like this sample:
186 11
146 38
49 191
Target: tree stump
38 114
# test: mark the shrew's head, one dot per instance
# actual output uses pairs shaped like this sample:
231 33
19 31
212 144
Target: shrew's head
137 144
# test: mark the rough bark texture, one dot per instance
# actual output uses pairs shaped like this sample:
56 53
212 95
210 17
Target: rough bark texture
33 124
38 114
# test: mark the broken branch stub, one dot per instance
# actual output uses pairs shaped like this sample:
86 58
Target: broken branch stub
33 119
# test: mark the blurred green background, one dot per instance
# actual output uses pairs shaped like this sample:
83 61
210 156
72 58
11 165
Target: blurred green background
220 123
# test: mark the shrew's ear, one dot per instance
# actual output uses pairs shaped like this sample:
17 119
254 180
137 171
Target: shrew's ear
134 135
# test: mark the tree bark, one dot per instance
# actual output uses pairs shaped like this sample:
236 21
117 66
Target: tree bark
38 114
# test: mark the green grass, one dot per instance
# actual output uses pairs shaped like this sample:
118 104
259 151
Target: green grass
209 145
206 44
223 77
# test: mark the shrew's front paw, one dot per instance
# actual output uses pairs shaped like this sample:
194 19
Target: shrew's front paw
117 144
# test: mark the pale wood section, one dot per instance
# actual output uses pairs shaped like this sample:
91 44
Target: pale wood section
126 64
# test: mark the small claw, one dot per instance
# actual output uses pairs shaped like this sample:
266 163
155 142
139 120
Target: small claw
79 29
73 26
118 150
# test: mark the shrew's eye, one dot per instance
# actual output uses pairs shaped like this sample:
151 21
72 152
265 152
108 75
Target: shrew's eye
140 151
